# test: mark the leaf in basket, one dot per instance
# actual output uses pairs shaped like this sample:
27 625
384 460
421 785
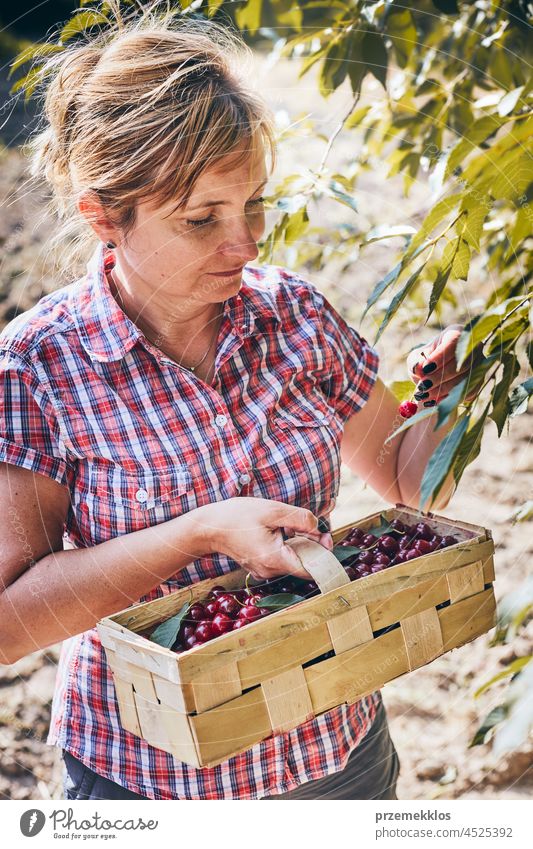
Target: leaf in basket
344 552
166 633
279 600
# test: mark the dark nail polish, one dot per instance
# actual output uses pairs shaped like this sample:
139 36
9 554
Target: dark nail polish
420 395
425 384
429 368
429 403
323 525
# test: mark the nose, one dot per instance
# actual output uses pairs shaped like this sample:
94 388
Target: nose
241 245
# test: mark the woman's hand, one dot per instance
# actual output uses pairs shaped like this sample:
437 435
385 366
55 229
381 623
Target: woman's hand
433 367
250 531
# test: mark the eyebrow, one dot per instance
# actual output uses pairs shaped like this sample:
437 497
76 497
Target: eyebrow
222 202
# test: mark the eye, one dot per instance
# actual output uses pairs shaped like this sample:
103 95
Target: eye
199 222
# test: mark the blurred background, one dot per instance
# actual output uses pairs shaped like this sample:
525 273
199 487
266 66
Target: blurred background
433 713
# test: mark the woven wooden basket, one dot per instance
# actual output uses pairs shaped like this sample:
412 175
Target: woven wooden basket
218 699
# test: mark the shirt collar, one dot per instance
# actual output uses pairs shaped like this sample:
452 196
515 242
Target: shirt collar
107 333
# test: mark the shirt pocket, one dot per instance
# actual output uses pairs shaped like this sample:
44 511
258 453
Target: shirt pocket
119 501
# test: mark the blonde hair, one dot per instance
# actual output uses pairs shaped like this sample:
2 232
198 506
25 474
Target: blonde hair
139 112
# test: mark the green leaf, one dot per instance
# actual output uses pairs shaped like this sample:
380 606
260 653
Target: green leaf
518 402
441 461
484 732
374 54
166 633
385 231
34 51
402 32
479 328
449 7
439 285
389 279
509 101
522 514
249 17
469 447
434 217
344 552
500 396
471 225
81 22
447 406
279 600
478 133
296 226
461 261
398 299
335 66
336 190
402 389
511 669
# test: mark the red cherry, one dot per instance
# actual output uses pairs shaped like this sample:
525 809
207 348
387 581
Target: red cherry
388 545
218 591
196 613
368 540
382 560
367 558
229 605
191 641
424 546
188 631
350 571
423 531
249 613
239 623
376 567
221 624
411 554
407 409
448 540
211 608
204 631
264 611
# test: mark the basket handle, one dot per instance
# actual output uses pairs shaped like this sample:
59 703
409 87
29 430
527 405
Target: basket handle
320 562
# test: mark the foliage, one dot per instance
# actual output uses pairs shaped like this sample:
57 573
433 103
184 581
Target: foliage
456 110
510 722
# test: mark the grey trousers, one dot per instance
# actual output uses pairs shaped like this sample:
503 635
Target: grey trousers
370 773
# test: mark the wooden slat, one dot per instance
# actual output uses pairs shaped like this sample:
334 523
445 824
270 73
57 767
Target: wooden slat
350 629
216 686
466 581
177 696
357 672
126 701
467 619
287 700
281 656
231 728
423 637
165 729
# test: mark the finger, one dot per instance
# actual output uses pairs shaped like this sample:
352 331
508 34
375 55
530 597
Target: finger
440 383
296 518
324 539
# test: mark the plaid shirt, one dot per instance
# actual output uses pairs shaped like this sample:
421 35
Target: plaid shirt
89 402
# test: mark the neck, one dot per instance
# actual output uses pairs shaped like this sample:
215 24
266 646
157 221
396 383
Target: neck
182 334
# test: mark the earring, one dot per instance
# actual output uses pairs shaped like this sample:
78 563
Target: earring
110 245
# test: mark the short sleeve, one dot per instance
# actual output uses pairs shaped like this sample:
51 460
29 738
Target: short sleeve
30 435
354 362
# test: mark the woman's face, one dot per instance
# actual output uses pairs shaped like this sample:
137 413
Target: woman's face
198 251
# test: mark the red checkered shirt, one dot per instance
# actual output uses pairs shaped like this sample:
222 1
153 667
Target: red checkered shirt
89 402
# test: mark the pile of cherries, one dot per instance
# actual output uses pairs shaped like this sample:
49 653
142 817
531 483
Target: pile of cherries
228 610
403 542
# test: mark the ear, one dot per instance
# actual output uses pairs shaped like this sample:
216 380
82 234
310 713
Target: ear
90 206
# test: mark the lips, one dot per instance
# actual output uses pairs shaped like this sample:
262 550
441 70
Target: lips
231 273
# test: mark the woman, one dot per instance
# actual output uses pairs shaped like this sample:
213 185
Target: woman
175 410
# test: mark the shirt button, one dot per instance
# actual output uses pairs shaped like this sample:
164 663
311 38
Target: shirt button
141 495
220 421
244 479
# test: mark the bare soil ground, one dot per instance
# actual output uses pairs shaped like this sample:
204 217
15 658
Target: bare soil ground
432 712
